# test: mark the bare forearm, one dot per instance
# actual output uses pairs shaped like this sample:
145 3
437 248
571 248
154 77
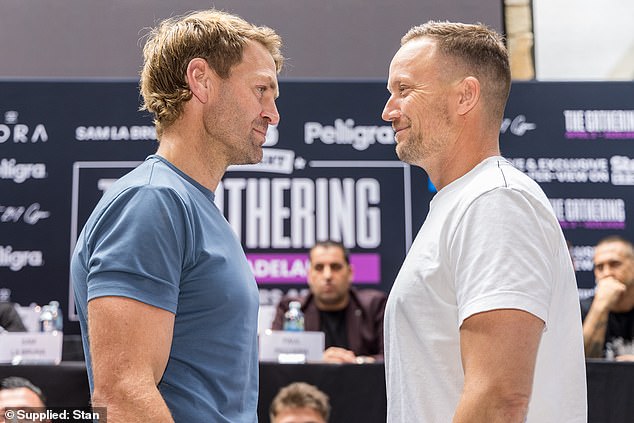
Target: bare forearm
594 330
499 351
128 406
491 407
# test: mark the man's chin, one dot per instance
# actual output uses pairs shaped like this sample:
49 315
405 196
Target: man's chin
251 159
331 300
403 153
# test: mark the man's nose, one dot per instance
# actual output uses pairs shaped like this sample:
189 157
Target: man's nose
327 272
390 111
271 113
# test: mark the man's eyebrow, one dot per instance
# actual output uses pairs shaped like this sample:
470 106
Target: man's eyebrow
393 83
275 88
272 84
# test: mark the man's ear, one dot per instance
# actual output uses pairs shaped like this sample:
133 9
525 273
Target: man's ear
468 94
199 79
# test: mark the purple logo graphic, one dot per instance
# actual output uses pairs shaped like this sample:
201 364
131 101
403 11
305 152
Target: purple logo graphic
291 268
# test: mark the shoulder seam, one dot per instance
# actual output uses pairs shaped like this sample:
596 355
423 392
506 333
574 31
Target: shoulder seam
502 172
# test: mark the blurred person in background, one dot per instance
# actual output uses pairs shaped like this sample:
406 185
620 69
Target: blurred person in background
300 402
608 316
20 393
10 319
351 318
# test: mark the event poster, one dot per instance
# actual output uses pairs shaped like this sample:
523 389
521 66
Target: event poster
329 172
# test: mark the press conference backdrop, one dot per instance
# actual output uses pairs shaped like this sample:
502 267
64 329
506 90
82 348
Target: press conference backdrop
329 171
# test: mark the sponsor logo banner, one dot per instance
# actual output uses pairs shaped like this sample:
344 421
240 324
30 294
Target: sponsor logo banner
11 131
564 170
28 214
292 268
20 172
16 260
590 213
592 124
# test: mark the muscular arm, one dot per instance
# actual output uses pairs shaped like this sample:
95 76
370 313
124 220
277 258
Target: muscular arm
129 345
499 350
608 292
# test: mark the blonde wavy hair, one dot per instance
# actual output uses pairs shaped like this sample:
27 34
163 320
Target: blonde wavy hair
215 36
300 395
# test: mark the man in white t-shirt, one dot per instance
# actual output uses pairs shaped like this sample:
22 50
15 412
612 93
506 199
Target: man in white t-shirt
483 321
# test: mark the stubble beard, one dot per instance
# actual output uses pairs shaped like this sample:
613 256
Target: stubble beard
418 151
238 150
251 153
410 150
224 124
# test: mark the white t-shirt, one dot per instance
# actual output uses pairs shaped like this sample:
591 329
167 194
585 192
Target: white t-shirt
490 241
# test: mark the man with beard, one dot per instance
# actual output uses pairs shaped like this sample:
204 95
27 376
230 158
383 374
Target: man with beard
351 319
608 316
166 299
482 323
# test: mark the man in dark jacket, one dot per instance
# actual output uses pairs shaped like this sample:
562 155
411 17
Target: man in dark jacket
10 319
352 319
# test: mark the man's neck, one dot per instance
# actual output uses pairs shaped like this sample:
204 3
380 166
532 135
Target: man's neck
193 157
474 143
450 169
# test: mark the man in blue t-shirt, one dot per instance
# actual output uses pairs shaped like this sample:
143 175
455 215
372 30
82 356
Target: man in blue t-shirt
166 300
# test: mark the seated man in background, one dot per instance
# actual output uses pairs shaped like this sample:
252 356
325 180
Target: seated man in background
351 319
17 392
300 403
10 319
608 316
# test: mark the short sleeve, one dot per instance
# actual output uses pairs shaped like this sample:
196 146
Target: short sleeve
502 254
137 247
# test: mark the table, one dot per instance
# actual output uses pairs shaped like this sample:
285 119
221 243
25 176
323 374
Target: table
610 391
357 392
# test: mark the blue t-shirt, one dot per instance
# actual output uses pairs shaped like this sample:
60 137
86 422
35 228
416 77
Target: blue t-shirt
157 237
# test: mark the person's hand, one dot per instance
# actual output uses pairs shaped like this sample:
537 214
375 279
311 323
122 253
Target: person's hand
608 292
625 357
339 355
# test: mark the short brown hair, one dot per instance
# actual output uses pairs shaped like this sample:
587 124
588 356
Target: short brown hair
479 49
16 382
329 243
215 36
300 395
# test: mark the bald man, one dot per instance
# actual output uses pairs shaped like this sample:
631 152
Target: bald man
608 316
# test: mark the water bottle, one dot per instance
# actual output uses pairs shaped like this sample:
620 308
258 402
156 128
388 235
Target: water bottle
47 324
294 318
58 318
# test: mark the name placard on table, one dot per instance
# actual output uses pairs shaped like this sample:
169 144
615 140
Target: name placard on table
291 347
31 347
